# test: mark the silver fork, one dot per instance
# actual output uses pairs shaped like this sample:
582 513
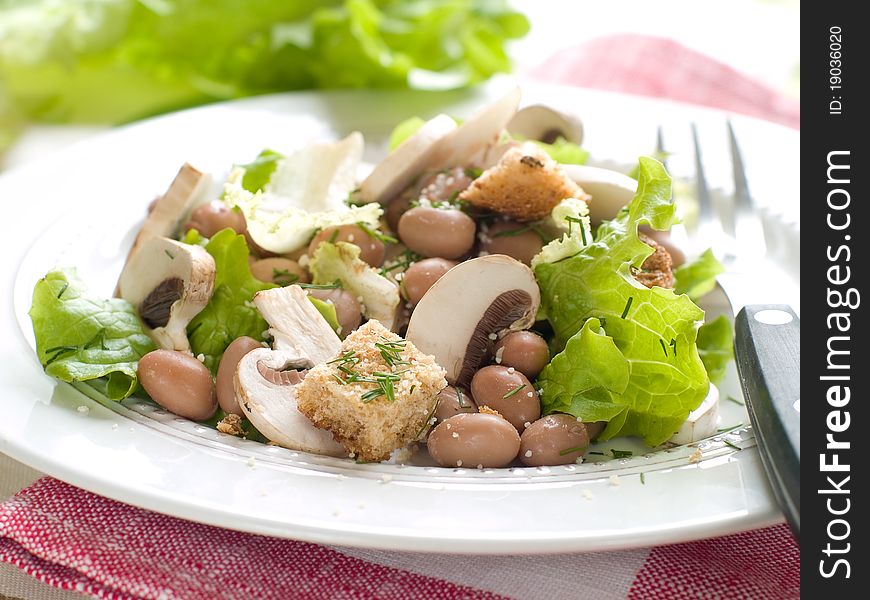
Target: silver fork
767 336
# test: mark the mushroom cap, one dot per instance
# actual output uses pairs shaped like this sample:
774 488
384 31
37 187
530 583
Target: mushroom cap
169 283
456 319
270 403
702 422
540 122
610 190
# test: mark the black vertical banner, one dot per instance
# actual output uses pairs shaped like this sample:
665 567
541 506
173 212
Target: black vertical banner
834 170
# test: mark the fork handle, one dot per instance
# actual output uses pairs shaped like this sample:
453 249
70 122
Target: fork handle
767 352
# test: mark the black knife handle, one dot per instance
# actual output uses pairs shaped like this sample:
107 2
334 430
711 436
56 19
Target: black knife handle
767 349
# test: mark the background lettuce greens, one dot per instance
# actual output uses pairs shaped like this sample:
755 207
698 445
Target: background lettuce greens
698 277
82 338
116 60
611 324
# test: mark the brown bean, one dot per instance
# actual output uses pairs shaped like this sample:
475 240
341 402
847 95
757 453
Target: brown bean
179 383
422 275
347 308
397 207
525 351
282 271
371 249
553 440
453 401
436 232
214 216
507 391
226 393
514 239
474 440
595 428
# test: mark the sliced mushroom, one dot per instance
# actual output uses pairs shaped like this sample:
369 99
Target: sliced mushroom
439 144
265 384
295 324
169 283
473 142
702 421
539 122
457 320
610 190
168 211
402 165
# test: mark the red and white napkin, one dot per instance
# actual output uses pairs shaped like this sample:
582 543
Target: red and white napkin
75 540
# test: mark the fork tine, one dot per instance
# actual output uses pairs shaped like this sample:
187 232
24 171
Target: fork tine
748 227
708 222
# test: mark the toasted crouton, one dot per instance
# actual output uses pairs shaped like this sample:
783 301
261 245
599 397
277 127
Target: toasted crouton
342 395
525 184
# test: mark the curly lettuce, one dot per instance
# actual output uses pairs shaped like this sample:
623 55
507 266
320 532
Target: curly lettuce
653 331
83 338
716 347
698 277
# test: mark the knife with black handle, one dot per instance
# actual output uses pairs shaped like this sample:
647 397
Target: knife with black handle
768 355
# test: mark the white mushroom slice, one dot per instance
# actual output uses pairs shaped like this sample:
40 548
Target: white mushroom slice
169 283
457 320
295 324
539 122
186 190
471 143
702 422
265 382
610 190
409 159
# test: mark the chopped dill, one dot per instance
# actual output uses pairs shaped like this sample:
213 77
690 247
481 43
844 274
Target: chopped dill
568 451
62 290
376 234
627 307
514 391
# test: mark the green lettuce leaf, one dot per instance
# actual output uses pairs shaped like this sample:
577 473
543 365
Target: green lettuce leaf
327 310
230 313
565 152
698 277
258 172
654 329
716 347
82 338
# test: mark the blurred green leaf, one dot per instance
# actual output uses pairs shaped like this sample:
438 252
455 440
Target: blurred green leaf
109 61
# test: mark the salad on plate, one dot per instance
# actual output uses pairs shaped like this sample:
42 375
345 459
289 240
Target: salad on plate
466 296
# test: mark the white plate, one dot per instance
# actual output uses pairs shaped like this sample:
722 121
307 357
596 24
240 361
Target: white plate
80 207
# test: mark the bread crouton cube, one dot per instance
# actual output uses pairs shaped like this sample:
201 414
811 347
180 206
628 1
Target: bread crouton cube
376 396
525 184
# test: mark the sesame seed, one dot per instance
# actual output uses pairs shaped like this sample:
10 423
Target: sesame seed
459 463
528 454
386 478
200 357
613 480
531 394
455 435
526 424
480 466
251 462
350 238
493 336
511 370
114 426
83 409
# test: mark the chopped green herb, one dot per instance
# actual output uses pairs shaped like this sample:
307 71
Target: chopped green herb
322 286
732 444
461 400
284 277
664 348
621 453
642 479
375 234
735 400
627 306
597 453
334 236
62 290
169 254
473 172
516 390
413 387
568 451
512 232
673 345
